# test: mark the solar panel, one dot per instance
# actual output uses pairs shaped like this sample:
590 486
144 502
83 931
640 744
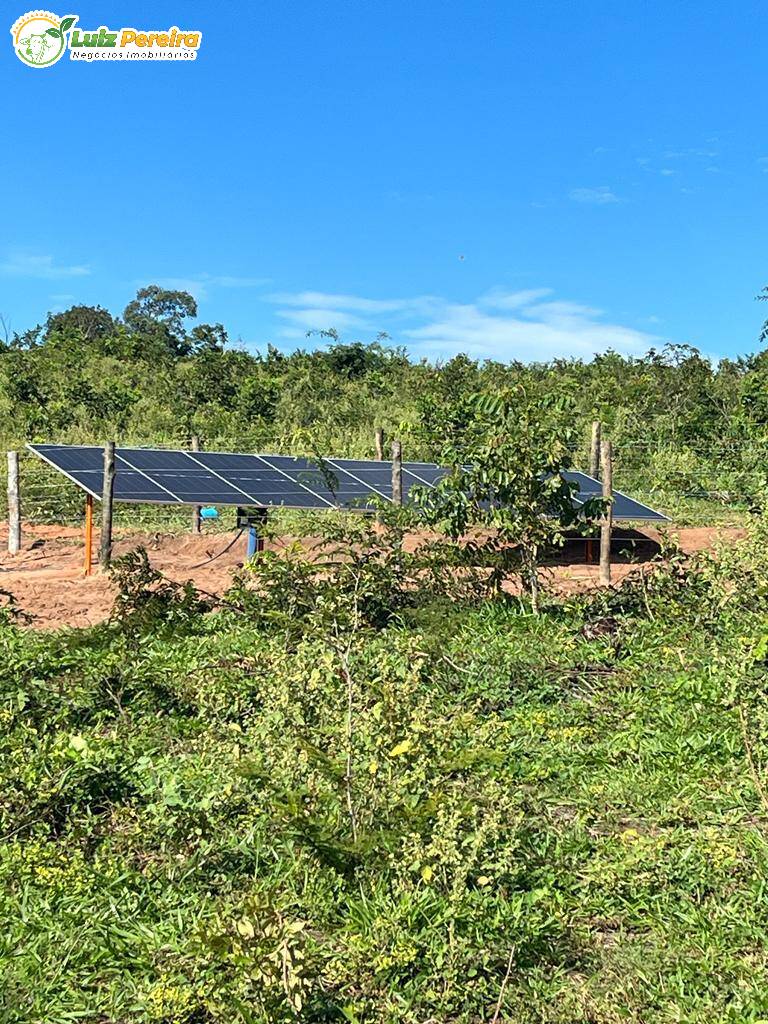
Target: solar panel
358 480
308 475
624 507
149 460
420 474
69 457
266 484
173 476
129 486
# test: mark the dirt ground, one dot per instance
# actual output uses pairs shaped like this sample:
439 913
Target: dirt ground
47 582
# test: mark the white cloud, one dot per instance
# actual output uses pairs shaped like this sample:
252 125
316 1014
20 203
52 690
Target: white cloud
319 319
200 285
599 196
227 281
499 298
528 325
26 265
196 288
330 301
541 331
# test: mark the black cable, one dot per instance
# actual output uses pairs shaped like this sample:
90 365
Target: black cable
222 552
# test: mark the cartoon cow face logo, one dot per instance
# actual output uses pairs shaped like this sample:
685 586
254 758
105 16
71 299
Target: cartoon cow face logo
39 37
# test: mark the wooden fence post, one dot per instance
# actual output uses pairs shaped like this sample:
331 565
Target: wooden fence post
379 444
594 451
607 523
105 550
88 559
397 473
14 505
195 446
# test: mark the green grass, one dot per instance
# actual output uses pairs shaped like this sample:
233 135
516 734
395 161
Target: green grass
563 802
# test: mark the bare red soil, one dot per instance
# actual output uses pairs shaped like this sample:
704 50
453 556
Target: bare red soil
47 582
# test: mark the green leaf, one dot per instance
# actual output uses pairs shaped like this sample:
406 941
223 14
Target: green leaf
53 32
67 23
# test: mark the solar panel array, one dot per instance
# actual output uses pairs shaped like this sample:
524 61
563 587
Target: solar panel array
177 477
624 507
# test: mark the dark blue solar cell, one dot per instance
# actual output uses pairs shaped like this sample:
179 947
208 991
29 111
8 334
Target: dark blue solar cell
149 459
318 478
227 462
623 506
90 480
588 486
421 475
266 484
130 486
200 487
67 458
181 475
628 508
358 480
425 473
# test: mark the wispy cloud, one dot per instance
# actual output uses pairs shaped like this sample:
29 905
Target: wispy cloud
321 311
326 300
193 285
528 325
200 285
301 321
227 281
688 160
539 331
602 195
43 267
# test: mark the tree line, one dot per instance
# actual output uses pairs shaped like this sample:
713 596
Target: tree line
155 374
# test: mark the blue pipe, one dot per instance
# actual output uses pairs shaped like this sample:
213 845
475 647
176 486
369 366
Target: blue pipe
253 542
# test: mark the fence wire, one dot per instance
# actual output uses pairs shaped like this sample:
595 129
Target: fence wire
690 482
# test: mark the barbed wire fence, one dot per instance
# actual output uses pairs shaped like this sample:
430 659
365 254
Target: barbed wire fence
697 483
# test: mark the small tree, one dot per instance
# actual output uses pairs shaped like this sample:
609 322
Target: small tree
507 477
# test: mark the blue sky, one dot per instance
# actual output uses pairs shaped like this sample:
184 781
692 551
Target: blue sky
509 179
